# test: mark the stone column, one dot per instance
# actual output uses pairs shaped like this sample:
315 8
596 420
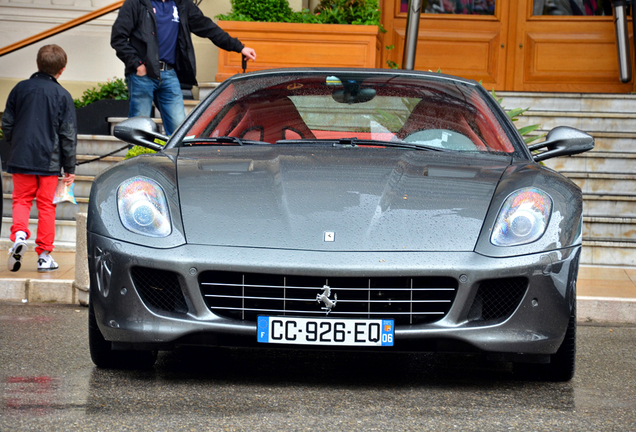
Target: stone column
82 279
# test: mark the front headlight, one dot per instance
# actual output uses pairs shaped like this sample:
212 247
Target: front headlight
523 218
143 208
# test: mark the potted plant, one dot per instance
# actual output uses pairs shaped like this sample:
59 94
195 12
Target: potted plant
98 104
341 33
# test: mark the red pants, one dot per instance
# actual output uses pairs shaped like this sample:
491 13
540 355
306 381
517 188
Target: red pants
26 187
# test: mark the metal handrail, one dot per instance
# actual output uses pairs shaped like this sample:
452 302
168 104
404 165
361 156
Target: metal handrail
61 28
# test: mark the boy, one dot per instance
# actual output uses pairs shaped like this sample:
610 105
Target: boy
39 123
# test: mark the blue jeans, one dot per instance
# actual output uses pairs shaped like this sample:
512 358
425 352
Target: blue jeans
165 93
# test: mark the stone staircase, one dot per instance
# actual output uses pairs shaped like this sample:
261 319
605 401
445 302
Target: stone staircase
607 175
88 147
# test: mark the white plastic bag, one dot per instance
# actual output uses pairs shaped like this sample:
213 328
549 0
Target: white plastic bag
64 193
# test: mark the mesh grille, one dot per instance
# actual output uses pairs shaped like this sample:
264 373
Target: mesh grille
407 300
497 299
159 289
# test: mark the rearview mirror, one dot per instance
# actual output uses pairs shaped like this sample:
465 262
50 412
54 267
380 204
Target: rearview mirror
141 131
563 141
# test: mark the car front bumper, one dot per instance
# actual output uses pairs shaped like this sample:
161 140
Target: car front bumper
536 326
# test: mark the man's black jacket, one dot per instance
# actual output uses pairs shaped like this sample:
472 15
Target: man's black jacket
134 38
39 123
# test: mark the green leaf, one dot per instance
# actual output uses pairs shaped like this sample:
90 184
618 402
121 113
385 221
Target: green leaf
527 129
515 112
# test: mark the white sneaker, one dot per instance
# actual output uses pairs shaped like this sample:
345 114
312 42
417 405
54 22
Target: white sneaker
16 253
46 263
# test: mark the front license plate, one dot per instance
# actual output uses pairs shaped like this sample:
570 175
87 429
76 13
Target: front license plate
325 331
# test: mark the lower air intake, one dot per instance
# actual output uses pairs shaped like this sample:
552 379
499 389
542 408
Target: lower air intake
497 299
159 289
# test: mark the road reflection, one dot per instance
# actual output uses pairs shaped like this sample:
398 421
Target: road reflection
245 381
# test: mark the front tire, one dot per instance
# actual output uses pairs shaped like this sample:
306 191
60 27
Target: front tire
105 357
562 363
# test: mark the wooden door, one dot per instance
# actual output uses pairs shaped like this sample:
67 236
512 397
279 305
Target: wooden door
470 46
514 50
565 54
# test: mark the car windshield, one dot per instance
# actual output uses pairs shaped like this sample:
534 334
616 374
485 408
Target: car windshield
356 109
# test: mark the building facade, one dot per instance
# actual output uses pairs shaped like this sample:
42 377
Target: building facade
513 45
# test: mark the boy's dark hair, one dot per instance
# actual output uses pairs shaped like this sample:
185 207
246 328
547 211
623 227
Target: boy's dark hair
51 59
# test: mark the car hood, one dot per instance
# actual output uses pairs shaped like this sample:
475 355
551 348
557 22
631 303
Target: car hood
343 199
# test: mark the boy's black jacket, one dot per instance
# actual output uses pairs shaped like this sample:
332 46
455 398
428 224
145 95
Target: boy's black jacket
39 123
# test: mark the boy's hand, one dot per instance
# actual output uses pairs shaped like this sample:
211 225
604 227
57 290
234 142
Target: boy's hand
68 179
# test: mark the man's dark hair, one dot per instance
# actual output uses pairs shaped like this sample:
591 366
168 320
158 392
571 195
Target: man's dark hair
51 59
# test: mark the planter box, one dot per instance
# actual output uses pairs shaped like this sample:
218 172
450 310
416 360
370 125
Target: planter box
281 45
93 118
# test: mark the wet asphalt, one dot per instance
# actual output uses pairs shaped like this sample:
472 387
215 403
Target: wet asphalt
48 382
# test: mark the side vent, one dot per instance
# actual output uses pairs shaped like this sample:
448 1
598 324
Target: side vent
159 289
497 299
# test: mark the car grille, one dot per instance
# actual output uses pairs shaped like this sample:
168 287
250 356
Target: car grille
497 299
159 289
408 300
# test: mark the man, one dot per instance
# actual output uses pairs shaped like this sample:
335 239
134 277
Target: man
39 124
152 38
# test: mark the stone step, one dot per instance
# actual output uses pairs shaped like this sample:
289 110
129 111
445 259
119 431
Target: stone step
617 103
63 211
609 228
604 183
610 253
98 145
65 234
82 187
593 122
206 88
609 205
93 167
595 161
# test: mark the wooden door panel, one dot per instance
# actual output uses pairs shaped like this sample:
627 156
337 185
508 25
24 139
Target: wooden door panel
473 55
515 50
575 56
469 46
566 54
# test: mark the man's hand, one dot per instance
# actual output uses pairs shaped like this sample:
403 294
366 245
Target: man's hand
141 70
247 52
68 179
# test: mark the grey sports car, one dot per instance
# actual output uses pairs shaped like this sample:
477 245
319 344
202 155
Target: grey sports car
338 209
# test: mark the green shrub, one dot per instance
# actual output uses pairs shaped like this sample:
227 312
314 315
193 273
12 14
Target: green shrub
364 12
113 89
137 150
259 10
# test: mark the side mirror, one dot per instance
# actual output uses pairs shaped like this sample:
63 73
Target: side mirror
563 141
141 131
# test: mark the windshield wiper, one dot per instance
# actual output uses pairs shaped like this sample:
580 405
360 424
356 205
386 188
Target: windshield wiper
355 142
222 140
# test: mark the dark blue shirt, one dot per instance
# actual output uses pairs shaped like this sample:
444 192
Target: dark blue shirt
167 16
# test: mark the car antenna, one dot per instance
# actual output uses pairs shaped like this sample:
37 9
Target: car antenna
244 63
